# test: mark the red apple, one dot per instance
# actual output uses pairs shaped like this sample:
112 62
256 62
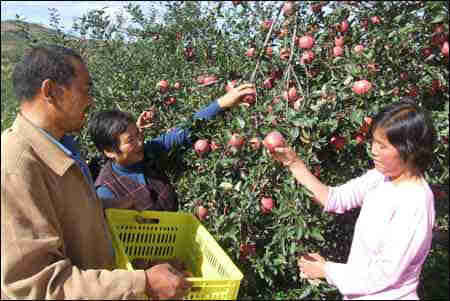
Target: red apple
343 26
412 90
202 146
288 8
338 142
435 86
316 171
306 42
312 72
361 87
339 41
365 126
249 99
283 32
246 250
201 79
202 213
307 57
364 23
375 20
426 52
358 49
444 48
268 83
273 140
276 74
291 94
177 85
189 53
316 8
338 51
170 100
372 68
285 53
404 76
230 85
265 25
250 52
297 104
438 28
267 205
276 100
236 141
214 145
163 86
359 138
368 120
210 79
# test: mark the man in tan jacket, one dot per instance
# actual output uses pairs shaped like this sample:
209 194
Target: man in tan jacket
55 243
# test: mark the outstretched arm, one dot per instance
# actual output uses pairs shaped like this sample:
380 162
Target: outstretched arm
336 199
289 158
178 136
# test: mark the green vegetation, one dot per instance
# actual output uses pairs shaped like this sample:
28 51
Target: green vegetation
127 63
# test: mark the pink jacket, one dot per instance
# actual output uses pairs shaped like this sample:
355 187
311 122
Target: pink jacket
391 240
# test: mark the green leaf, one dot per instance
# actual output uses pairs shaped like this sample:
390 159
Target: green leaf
438 19
398 18
294 132
300 232
315 233
293 248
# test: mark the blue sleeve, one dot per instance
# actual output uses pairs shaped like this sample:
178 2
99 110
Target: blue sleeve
104 193
208 112
179 136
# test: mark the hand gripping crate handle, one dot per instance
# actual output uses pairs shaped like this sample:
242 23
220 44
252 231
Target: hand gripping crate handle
144 220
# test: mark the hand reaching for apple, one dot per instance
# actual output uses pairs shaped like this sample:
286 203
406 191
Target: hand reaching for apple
146 118
234 95
285 155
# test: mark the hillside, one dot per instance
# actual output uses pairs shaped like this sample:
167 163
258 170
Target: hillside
16 36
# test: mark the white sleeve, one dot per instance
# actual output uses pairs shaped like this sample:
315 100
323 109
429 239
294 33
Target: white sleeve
351 194
404 249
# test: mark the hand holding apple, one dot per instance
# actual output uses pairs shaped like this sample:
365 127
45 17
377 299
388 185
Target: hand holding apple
312 265
285 155
166 282
145 119
235 94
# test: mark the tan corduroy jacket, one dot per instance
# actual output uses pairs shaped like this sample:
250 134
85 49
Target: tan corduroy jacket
55 243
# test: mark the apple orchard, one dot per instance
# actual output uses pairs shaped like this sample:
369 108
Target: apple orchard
322 70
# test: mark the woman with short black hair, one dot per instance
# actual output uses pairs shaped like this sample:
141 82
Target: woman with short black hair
131 178
393 232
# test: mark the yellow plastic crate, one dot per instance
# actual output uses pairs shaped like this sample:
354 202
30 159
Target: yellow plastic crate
167 235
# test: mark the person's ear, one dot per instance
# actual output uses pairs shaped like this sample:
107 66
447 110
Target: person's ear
48 90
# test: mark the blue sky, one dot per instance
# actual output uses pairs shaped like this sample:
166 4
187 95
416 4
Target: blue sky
38 11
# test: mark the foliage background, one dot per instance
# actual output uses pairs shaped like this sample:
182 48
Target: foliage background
127 62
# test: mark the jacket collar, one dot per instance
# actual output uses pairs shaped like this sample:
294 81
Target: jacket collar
52 155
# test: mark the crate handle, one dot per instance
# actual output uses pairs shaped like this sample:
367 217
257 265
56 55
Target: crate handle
142 220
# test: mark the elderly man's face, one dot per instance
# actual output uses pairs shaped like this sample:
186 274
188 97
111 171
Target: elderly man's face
75 99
